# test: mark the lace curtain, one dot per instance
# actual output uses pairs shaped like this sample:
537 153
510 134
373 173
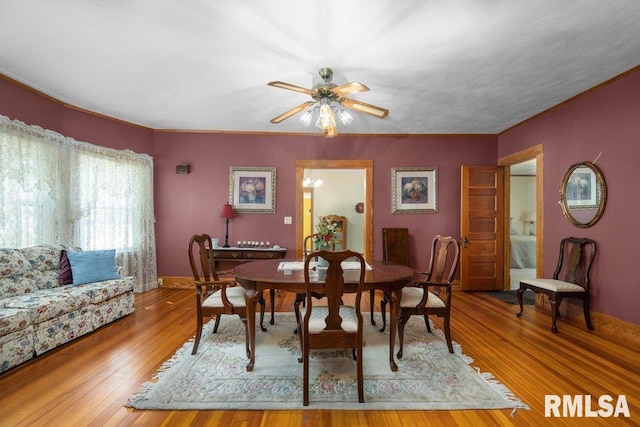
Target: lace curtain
58 190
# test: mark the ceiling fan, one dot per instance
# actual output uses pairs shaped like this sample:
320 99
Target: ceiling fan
324 94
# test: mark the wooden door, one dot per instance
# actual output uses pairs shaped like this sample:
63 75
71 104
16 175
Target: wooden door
481 254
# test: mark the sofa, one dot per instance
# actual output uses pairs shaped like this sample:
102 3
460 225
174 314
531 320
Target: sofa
42 306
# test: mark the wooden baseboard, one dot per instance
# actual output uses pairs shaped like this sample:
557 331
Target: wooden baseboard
177 282
601 322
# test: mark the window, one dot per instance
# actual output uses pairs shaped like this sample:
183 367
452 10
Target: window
57 190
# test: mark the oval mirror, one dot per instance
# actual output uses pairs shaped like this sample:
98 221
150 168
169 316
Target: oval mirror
583 194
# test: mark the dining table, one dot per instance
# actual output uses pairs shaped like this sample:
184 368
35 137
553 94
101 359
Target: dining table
288 276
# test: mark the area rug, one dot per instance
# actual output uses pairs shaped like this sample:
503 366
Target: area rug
428 377
528 297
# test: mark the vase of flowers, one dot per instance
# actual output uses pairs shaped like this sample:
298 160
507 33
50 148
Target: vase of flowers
324 237
414 189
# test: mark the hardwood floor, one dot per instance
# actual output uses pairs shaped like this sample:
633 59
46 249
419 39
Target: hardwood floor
88 381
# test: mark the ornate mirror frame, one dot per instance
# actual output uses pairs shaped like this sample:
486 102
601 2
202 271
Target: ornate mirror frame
583 194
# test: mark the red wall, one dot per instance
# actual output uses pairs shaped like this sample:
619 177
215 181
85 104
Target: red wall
605 120
188 204
23 104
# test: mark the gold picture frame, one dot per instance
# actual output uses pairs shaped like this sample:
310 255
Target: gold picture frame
252 189
414 190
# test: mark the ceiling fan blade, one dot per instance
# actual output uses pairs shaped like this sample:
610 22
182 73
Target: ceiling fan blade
283 85
349 88
362 107
291 112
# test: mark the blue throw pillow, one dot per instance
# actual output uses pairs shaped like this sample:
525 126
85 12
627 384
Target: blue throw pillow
93 266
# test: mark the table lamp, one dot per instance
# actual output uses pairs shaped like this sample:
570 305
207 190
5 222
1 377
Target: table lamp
531 220
227 212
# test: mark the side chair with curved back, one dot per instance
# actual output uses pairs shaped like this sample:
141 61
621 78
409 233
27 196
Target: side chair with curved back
307 246
424 296
307 249
574 261
215 296
335 325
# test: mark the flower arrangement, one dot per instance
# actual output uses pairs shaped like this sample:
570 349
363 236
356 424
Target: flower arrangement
414 188
325 234
252 190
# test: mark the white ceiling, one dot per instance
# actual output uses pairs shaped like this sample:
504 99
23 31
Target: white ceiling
474 66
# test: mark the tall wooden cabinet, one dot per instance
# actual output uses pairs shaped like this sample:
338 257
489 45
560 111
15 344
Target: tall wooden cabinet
341 231
395 245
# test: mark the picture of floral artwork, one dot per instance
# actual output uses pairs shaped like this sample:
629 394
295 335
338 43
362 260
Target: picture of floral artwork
252 189
581 190
414 190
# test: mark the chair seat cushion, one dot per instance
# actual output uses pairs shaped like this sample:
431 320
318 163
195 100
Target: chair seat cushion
553 285
411 297
319 313
235 295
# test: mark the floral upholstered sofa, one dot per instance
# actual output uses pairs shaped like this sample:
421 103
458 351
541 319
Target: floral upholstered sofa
39 311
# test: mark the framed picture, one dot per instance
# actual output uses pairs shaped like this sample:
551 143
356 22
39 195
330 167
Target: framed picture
252 189
414 190
582 189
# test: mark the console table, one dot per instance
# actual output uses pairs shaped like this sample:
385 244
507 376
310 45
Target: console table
235 254
240 255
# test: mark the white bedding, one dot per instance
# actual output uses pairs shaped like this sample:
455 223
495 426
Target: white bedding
523 251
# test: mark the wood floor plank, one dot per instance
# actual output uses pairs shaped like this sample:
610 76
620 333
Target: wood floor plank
87 381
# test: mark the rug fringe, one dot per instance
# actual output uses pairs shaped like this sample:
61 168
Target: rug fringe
146 387
503 391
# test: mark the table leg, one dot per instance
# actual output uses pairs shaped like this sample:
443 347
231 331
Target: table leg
251 298
394 303
272 294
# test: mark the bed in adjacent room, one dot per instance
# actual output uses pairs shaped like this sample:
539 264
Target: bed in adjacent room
523 251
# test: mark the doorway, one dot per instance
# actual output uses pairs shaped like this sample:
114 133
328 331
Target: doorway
366 216
523 219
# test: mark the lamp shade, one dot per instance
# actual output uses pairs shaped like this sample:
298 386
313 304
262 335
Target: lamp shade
531 217
227 211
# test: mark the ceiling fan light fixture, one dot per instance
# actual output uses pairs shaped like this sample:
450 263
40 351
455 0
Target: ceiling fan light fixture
306 118
328 101
331 132
327 118
345 117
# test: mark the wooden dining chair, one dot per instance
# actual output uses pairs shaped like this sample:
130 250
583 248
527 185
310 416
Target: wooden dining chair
307 248
215 296
334 325
574 263
425 296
